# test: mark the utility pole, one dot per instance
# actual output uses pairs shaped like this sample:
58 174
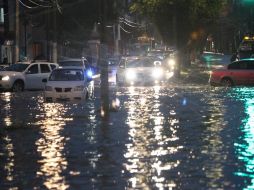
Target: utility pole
54 35
17 33
117 37
104 64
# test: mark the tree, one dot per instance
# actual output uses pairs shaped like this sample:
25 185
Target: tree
193 18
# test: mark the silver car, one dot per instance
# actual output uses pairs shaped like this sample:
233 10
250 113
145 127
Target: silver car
143 70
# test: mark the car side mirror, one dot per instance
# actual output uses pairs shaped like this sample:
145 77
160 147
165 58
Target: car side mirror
28 72
44 80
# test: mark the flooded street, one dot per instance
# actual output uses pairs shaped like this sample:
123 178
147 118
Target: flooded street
173 137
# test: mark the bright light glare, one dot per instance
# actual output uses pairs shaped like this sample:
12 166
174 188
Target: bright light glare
157 73
89 73
131 75
171 62
6 78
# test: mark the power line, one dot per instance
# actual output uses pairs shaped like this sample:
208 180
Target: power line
22 3
125 30
40 5
130 22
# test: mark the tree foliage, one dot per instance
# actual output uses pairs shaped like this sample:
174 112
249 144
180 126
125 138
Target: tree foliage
193 17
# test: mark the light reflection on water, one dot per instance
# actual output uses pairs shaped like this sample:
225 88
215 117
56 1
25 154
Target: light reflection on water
147 142
175 138
50 146
245 144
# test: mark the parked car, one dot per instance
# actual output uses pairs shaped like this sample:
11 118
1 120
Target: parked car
237 73
91 70
143 70
67 84
20 76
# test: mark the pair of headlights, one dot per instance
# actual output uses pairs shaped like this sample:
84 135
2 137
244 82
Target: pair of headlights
156 74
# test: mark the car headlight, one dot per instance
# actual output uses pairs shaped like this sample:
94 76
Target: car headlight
157 73
79 88
48 88
6 78
171 62
131 75
89 73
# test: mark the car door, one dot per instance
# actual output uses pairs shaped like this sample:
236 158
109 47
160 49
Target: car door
45 71
250 67
32 77
239 73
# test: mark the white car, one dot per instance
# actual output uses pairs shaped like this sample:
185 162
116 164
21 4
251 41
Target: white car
68 84
143 70
20 76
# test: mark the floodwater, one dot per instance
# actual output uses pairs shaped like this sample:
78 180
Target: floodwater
174 137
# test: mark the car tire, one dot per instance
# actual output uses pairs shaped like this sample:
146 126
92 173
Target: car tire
18 86
227 82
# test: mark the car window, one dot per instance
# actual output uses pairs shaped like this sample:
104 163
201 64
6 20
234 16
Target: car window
67 75
71 63
17 67
238 65
148 63
250 65
135 63
52 66
33 69
45 68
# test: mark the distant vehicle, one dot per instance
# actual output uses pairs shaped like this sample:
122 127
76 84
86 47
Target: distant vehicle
20 76
91 71
237 73
67 84
162 54
246 48
143 70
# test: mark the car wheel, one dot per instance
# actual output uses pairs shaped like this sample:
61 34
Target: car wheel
18 86
226 82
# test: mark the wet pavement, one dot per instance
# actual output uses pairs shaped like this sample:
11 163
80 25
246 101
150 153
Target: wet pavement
180 136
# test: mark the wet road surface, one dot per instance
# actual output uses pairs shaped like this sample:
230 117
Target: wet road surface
173 137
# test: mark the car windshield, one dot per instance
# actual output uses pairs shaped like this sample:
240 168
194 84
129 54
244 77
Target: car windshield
67 75
71 63
112 62
141 63
17 67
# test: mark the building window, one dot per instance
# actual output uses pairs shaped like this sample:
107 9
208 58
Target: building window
1 15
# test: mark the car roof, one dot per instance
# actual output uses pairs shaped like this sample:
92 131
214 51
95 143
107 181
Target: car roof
247 59
72 59
29 63
71 67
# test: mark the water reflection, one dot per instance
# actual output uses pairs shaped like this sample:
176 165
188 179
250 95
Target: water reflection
51 145
6 108
148 143
9 167
245 144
